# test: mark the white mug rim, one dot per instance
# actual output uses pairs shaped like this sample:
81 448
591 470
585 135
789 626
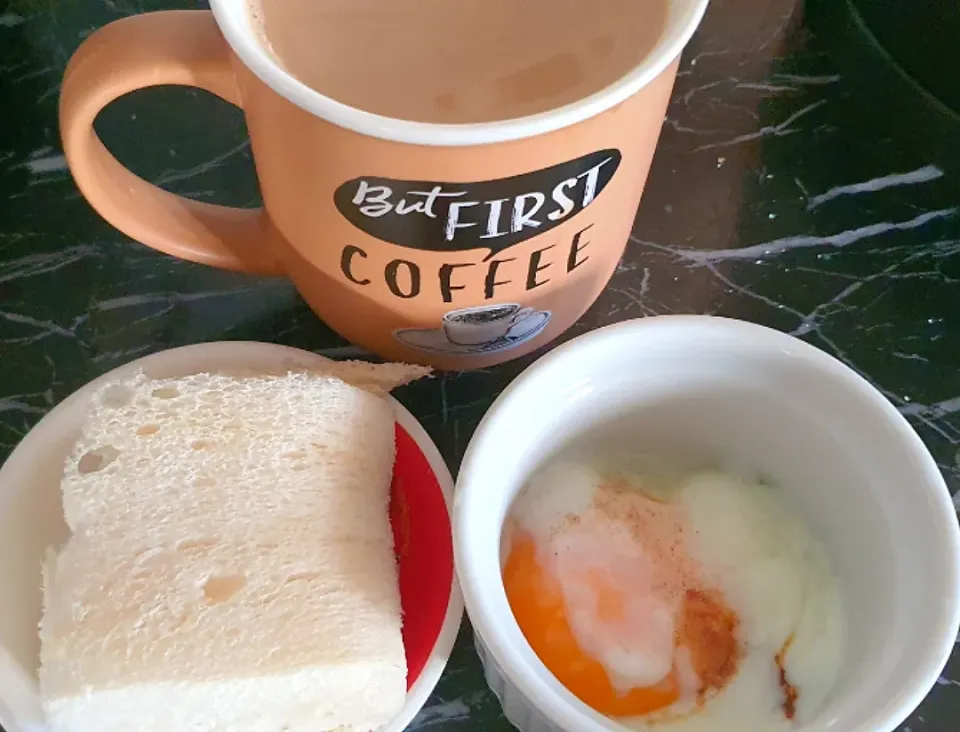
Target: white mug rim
233 18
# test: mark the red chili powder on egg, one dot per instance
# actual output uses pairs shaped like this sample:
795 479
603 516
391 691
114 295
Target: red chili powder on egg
660 528
789 691
707 626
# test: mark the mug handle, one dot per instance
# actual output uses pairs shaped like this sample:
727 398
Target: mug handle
182 47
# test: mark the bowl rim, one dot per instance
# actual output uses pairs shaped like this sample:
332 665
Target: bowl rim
235 354
567 712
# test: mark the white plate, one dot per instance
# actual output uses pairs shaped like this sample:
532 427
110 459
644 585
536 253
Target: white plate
31 519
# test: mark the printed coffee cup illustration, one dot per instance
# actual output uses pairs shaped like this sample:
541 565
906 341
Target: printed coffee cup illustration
397 230
475 326
480 330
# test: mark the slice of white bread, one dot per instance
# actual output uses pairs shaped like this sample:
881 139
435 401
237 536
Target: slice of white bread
248 584
213 449
304 635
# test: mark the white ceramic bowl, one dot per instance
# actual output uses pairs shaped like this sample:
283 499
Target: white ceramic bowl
704 389
31 519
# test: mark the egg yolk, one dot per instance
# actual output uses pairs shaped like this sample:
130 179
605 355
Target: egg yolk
706 628
537 603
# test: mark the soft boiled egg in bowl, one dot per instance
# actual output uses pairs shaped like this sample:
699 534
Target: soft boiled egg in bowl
613 595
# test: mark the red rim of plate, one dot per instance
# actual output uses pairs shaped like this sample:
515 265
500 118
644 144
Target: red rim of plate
423 541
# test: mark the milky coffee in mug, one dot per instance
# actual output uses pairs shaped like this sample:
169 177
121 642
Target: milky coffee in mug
450 182
459 61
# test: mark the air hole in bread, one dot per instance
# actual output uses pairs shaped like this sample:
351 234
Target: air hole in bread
148 429
188 544
166 392
295 455
177 623
302 577
298 466
97 459
200 445
219 589
204 482
116 396
148 554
